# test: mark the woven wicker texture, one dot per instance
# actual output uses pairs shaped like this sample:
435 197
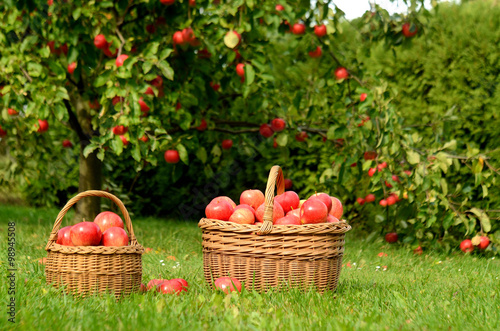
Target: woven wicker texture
279 256
85 270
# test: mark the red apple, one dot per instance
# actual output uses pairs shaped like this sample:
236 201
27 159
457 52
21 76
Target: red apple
294 213
369 198
85 234
381 166
115 236
63 236
253 198
3 133
108 219
214 86
240 69
466 246
370 155
237 36
391 200
407 172
120 129
172 156
383 203
288 220
363 97
372 171
244 206
183 282
301 136
409 30
108 53
337 208
177 38
323 197
192 3
116 100
485 242
277 212
320 30
220 210
266 131
242 216
43 125
418 251
151 28
167 2
313 211
275 143
203 125
361 201
224 198
316 53
144 138
71 67
67 144
12 112
288 183
100 41
95 104
341 73
153 283
143 288
144 107
278 125
228 284
288 200
227 143
157 82
391 237
298 28
279 7
124 140
120 59
331 219
170 287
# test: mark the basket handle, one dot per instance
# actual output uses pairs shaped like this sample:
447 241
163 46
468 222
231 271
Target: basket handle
92 193
277 180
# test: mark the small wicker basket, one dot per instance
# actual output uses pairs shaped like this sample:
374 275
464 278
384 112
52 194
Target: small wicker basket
279 256
86 270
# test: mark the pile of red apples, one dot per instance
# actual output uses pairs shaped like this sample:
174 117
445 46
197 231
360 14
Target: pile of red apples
288 209
106 230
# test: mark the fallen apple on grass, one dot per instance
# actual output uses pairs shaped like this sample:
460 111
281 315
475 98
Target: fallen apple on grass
227 284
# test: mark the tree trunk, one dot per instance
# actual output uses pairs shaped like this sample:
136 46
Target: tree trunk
90 177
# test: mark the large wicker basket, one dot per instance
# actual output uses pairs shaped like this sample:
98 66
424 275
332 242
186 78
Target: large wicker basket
86 270
279 256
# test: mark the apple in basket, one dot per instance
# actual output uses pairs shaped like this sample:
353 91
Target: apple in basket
288 200
294 213
115 236
228 284
108 219
242 216
277 212
313 211
253 198
219 210
246 207
337 209
85 234
288 220
323 197
63 236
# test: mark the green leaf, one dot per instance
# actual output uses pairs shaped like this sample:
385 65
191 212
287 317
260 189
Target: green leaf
136 152
452 145
102 78
117 145
413 157
35 69
202 154
483 218
77 12
89 149
146 66
165 53
216 151
249 74
444 186
166 69
282 139
183 153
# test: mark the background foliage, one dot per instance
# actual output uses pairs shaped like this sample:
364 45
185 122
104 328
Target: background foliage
432 108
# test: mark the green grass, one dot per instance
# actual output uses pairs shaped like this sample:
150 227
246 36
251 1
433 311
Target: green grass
427 292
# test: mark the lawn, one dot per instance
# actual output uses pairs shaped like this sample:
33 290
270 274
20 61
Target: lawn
382 287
